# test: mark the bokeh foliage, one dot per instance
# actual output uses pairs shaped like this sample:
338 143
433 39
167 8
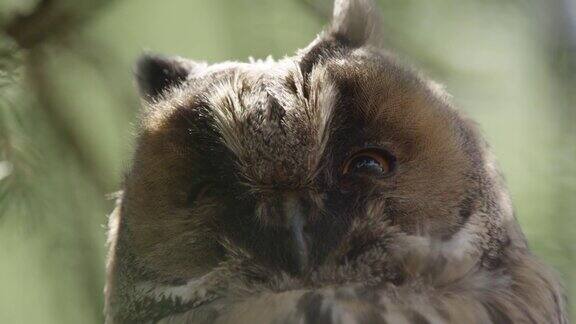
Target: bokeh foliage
67 108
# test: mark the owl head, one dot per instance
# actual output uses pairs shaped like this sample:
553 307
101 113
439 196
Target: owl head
311 160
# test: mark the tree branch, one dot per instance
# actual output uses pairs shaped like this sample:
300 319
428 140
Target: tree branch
49 20
53 20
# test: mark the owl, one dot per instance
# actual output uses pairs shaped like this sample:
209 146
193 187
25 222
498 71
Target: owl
334 186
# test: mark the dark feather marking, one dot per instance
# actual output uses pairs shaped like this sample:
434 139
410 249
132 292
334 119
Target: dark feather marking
416 318
497 316
372 296
371 317
310 304
472 148
443 313
466 207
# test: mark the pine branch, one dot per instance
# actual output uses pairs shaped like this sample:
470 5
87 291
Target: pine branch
42 87
50 23
51 19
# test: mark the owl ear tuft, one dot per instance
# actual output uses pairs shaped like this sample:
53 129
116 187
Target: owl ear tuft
156 73
358 22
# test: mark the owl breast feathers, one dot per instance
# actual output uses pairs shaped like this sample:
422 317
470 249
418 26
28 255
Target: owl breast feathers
335 186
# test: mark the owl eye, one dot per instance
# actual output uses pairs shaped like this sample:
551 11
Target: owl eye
369 161
200 192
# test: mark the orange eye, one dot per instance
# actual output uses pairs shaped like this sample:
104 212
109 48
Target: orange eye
369 161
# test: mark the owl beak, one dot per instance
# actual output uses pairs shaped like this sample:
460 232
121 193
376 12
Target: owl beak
299 242
295 221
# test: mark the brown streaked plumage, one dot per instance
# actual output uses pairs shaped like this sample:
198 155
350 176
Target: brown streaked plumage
335 186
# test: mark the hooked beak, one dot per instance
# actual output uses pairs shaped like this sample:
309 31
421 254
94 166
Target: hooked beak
295 222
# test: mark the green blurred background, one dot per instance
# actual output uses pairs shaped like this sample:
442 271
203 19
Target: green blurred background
68 106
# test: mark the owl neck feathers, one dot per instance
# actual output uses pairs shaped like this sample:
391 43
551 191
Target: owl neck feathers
134 293
392 258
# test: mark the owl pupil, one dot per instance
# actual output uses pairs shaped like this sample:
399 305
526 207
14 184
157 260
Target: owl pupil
366 163
373 160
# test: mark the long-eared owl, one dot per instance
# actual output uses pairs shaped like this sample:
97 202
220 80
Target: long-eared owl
333 186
